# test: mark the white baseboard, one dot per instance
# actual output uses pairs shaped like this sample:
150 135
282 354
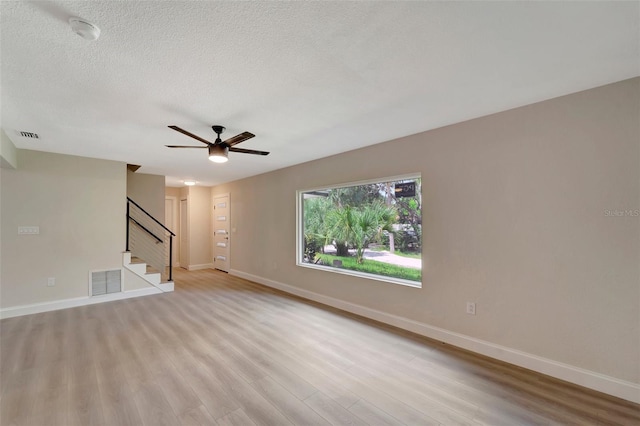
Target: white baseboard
36 308
589 379
201 266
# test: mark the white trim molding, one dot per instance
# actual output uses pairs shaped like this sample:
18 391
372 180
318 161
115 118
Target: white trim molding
579 376
201 266
37 308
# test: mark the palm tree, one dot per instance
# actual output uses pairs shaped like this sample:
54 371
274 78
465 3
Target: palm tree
315 228
339 222
359 226
374 218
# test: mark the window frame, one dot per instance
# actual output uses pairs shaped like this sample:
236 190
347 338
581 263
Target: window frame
300 232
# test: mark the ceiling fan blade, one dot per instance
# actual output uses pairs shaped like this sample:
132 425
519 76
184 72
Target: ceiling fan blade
248 151
239 138
184 146
184 132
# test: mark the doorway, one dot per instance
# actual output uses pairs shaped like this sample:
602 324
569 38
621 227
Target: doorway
221 250
170 221
184 235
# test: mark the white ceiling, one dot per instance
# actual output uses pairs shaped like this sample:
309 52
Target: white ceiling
310 79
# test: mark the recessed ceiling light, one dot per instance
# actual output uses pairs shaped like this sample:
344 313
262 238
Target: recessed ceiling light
189 182
84 28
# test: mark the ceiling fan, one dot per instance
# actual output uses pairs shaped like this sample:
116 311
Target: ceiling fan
219 150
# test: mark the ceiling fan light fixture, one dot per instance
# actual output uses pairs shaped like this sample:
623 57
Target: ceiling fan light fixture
218 153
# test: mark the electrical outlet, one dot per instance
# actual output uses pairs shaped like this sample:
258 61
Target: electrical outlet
471 308
51 281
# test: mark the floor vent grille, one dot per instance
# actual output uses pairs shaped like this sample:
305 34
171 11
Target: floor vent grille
105 282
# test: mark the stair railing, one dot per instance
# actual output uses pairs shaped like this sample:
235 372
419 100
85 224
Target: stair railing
148 238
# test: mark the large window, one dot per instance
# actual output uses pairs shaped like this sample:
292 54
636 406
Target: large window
370 229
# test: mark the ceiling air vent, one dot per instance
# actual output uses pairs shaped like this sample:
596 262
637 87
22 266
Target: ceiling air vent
29 135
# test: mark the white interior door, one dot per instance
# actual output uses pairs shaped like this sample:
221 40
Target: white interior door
184 235
221 250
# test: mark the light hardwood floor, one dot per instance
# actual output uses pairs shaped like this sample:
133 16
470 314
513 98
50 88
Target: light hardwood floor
224 351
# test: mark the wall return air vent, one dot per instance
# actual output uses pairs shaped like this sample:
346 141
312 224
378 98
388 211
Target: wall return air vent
105 282
29 135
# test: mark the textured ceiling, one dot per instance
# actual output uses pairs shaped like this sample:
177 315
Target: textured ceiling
310 79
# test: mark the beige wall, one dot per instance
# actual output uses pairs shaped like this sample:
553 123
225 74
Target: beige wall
79 205
8 152
170 191
514 219
8 160
148 192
